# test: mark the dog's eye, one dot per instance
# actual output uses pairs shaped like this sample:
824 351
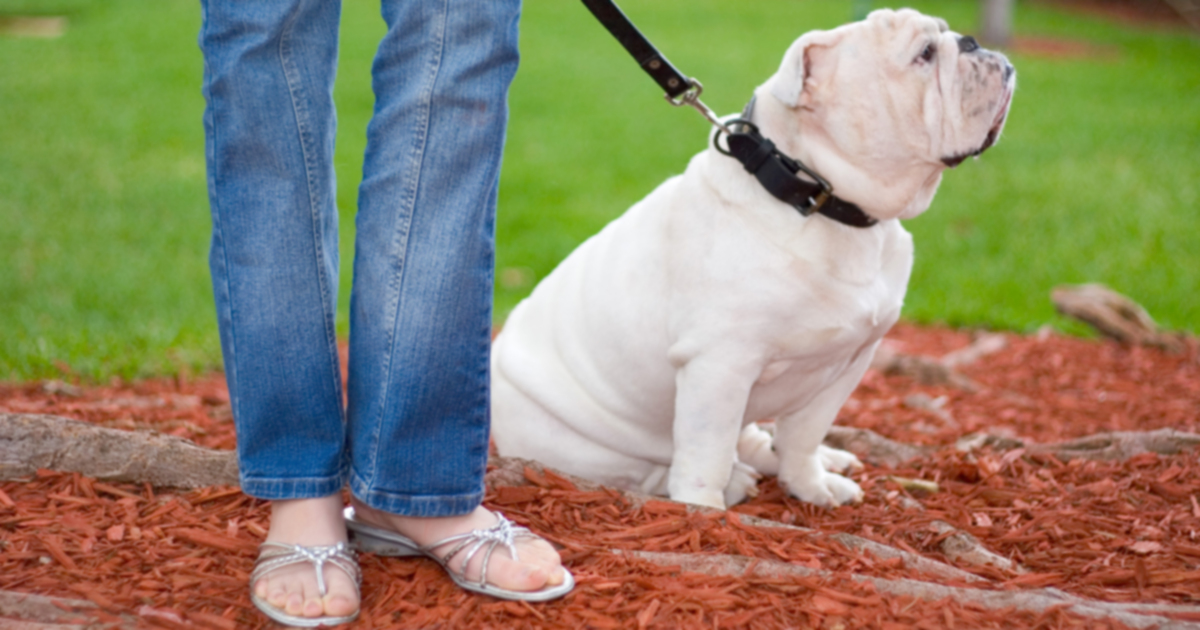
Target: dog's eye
929 53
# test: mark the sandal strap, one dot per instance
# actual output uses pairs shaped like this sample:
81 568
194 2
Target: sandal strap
274 555
504 532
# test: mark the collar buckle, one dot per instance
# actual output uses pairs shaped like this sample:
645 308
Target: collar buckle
816 201
815 204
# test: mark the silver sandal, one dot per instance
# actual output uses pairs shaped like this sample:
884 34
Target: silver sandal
275 555
385 542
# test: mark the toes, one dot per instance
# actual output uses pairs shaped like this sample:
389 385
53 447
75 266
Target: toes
261 590
515 576
277 595
337 602
557 576
313 604
297 594
339 605
314 607
837 460
294 604
824 488
537 566
844 490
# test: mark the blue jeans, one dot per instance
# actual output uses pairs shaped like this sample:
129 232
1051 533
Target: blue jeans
413 436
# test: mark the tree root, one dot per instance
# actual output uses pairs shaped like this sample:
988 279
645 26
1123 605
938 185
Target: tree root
29 442
914 562
943 371
1114 316
873 447
983 345
924 370
1036 600
1110 446
511 471
1113 446
963 548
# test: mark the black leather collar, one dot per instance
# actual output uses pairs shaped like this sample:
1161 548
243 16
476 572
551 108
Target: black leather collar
778 173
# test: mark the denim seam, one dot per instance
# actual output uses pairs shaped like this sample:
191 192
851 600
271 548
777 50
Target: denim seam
400 250
304 133
210 150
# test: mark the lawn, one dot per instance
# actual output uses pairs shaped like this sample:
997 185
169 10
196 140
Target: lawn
103 253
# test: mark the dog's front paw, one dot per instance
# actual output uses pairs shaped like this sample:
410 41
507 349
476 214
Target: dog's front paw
742 483
837 460
820 487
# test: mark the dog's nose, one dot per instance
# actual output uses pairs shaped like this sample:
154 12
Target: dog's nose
967 44
1008 72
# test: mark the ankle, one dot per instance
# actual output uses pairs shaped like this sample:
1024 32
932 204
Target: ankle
425 530
314 521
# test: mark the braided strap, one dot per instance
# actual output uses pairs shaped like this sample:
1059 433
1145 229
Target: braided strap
278 555
503 533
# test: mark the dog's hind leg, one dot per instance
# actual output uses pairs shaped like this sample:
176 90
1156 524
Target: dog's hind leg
521 427
743 482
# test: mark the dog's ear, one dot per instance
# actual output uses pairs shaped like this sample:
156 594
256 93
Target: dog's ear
806 64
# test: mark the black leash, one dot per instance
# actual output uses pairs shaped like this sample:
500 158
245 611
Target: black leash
758 155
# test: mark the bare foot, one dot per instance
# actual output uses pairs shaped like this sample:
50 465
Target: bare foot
538 565
293 588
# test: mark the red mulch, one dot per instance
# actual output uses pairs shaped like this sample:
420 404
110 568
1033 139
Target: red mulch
1125 531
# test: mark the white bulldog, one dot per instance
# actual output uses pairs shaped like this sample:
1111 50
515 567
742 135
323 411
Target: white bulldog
647 358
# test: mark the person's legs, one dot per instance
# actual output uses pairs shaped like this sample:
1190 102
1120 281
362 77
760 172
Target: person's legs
269 127
420 320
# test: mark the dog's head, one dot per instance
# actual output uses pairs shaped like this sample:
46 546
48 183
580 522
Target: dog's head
881 107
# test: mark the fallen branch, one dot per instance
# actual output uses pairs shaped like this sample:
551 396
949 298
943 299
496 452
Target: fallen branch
1113 315
29 442
1036 600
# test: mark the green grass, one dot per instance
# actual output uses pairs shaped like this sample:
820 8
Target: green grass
103 250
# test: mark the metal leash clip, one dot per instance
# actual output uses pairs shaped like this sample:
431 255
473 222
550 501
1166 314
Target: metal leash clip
692 97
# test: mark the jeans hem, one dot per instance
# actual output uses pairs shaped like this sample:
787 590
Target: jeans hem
281 489
423 506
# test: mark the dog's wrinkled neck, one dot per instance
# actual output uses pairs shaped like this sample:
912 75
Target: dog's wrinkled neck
884 189
786 178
